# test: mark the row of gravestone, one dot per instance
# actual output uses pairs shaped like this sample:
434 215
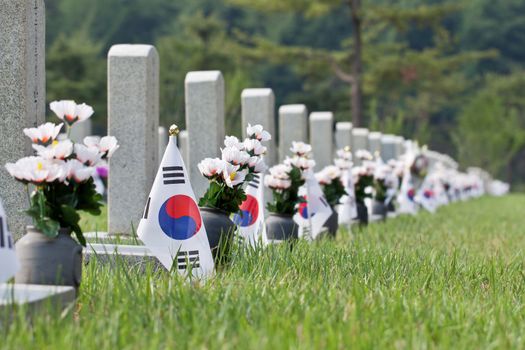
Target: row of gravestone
133 118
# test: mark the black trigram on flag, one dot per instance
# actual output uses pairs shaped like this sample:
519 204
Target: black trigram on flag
323 200
5 239
255 182
186 259
146 210
173 175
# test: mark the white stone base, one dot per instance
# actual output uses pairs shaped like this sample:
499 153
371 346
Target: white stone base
131 255
34 296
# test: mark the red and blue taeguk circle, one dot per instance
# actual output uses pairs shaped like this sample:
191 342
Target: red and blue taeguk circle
303 208
179 217
249 212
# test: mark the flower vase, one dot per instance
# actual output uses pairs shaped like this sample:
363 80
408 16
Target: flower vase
281 227
220 230
332 223
362 213
379 208
49 261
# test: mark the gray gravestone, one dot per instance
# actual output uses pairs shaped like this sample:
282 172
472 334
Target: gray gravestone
22 95
182 142
322 138
258 107
359 142
133 118
293 126
374 142
399 140
163 142
80 130
343 134
388 147
204 95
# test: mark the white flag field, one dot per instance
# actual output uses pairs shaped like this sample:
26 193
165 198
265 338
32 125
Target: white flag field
347 209
250 219
8 262
312 215
172 226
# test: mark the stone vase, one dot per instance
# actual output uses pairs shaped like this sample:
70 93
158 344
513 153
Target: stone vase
379 208
220 229
281 227
391 207
332 223
362 213
49 261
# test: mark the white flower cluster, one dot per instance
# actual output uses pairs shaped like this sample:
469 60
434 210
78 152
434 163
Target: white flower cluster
328 175
279 178
363 154
344 159
301 156
238 159
62 160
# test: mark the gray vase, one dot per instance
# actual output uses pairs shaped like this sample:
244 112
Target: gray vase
49 261
220 230
379 208
281 227
362 213
332 223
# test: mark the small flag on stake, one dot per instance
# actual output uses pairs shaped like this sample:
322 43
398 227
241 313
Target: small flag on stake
172 226
250 219
407 193
8 262
312 215
347 209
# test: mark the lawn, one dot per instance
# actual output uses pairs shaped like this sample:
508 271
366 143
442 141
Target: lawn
450 280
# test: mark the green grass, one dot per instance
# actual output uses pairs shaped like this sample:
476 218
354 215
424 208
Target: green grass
452 280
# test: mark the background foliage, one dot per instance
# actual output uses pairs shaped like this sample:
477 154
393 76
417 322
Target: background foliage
449 73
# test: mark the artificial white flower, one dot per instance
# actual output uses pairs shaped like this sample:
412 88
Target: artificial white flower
257 164
78 172
210 167
87 155
323 178
257 132
254 147
36 170
363 154
235 156
106 145
232 175
45 134
232 141
276 183
302 163
56 150
70 112
333 172
343 164
300 148
281 171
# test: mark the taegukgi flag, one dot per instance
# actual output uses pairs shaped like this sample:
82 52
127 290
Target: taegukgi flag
8 262
250 219
407 194
347 209
312 214
172 226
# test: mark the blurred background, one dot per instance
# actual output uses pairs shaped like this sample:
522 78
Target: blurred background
450 74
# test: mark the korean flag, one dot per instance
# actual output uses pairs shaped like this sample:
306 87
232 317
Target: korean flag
407 194
8 262
312 214
347 209
172 226
250 218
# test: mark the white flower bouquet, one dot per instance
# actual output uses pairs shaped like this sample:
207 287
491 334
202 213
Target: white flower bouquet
62 172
